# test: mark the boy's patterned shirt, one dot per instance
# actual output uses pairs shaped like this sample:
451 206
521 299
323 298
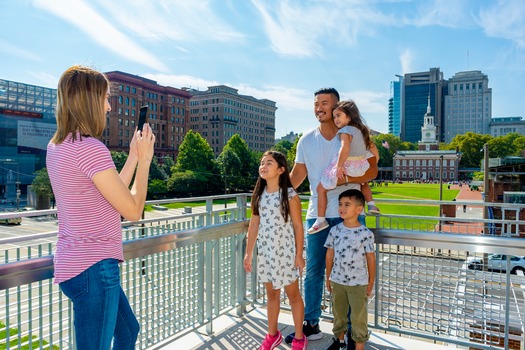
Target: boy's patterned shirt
350 247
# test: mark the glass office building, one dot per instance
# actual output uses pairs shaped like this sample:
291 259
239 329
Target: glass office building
27 123
394 107
417 87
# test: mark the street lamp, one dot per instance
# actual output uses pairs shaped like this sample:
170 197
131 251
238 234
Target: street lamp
440 180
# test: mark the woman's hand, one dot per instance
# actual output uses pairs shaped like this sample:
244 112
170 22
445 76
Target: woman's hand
145 142
133 145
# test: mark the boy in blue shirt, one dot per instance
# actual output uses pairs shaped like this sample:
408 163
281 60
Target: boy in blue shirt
350 271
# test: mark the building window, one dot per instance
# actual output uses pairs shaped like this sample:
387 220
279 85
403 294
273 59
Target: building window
452 176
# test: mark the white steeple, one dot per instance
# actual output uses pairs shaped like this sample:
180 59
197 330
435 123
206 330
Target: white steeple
428 130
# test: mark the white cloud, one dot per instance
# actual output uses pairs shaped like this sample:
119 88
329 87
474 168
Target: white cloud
179 81
445 13
81 15
505 19
14 50
304 29
45 79
178 20
406 60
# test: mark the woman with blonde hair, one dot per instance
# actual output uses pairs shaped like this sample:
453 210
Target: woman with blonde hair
91 197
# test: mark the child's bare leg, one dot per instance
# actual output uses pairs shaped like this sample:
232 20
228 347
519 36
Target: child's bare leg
297 305
322 200
370 174
273 307
367 191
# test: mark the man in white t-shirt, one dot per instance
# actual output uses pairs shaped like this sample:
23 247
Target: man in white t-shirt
314 151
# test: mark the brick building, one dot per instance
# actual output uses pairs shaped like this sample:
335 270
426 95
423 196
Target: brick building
167 114
221 112
428 163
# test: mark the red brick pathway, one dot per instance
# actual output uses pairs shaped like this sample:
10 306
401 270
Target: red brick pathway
473 228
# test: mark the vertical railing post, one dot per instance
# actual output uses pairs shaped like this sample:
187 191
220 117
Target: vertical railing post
209 287
209 210
241 275
201 284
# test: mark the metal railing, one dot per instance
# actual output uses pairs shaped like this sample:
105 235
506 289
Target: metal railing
182 271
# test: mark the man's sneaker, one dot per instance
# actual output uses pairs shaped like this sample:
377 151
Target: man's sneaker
349 340
300 344
312 332
336 345
317 226
372 209
271 342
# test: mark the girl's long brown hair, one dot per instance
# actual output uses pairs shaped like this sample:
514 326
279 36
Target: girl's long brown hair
284 184
350 109
80 103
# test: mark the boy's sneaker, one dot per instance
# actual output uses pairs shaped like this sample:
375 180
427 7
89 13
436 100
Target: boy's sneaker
271 342
318 226
336 345
300 344
312 332
372 209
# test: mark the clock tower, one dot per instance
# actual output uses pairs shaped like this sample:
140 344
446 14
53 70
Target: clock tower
428 132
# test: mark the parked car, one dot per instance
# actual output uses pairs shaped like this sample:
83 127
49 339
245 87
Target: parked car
12 221
498 262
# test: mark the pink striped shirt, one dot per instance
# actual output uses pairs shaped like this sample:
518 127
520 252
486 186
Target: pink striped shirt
89 228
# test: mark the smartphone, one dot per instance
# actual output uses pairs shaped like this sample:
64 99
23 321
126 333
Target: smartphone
143 117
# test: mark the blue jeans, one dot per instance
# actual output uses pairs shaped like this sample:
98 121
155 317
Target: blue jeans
101 309
315 269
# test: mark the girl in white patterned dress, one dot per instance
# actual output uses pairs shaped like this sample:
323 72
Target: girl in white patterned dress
277 221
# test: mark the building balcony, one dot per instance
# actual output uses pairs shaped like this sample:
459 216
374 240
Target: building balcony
183 274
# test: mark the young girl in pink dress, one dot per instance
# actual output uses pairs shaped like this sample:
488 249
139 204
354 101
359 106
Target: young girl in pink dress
356 157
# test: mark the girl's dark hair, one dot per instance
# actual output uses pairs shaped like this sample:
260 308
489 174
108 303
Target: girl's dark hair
284 184
350 109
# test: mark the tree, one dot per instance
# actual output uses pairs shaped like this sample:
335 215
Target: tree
246 174
519 145
470 145
119 158
188 183
167 164
195 154
503 146
388 145
196 170
41 185
157 189
156 171
283 146
290 159
229 163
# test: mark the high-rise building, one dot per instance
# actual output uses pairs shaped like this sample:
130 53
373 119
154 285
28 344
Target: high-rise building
500 126
221 112
468 104
27 123
417 87
395 106
167 113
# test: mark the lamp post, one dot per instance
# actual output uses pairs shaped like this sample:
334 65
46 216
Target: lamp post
440 181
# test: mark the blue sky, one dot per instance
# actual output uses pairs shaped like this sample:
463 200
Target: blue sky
282 50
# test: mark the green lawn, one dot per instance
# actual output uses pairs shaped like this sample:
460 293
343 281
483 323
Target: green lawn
14 342
407 191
